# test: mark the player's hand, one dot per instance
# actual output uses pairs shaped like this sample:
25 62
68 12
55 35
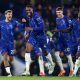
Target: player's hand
24 20
29 29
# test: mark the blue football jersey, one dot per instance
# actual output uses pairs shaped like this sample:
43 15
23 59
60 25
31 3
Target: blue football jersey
7 30
76 28
37 23
63 23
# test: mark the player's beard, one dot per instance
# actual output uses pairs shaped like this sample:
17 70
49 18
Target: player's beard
9 19
29 14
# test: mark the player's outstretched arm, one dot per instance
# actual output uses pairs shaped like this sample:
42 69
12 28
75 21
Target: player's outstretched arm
28 28
69 29
39 23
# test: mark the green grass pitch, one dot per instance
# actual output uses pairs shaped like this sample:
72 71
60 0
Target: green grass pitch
38 78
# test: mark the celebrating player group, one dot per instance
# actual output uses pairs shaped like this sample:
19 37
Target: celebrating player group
66 39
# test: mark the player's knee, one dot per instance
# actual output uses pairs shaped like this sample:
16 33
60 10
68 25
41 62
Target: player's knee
78 55
69 57
45 52
5 56
28 47
56 54
39 54
28 51
11 58
27 57
77 62
78 58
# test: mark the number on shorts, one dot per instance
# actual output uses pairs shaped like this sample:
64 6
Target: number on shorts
12 51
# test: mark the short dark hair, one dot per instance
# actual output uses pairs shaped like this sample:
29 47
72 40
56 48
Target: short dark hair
8 11
59 9
29 5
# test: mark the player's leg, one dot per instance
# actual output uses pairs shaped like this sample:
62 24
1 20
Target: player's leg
41 66
69 57
77 63
10 55
29 47
59 62
11 58
45 51
50 60
4 52
68 45
70 64
59 48
48 65
28 57
38 53
42 43
68 52
70 61
6 63
48 56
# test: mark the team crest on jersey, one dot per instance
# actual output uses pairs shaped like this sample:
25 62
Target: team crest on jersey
39 20
70 21
12 51
78 48
11 26
44 46
67 50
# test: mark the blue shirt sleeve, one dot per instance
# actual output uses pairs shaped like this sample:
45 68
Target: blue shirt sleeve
39 23
69 22
74 22
20 26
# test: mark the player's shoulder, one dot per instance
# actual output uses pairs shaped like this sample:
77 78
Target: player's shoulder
14 21
1 22
57 18
36 15
65 17
74 21
68 19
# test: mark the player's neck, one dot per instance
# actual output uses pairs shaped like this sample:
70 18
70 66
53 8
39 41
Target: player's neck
62 16
7 20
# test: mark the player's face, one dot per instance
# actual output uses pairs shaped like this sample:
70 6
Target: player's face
59 13
8 16
29 11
